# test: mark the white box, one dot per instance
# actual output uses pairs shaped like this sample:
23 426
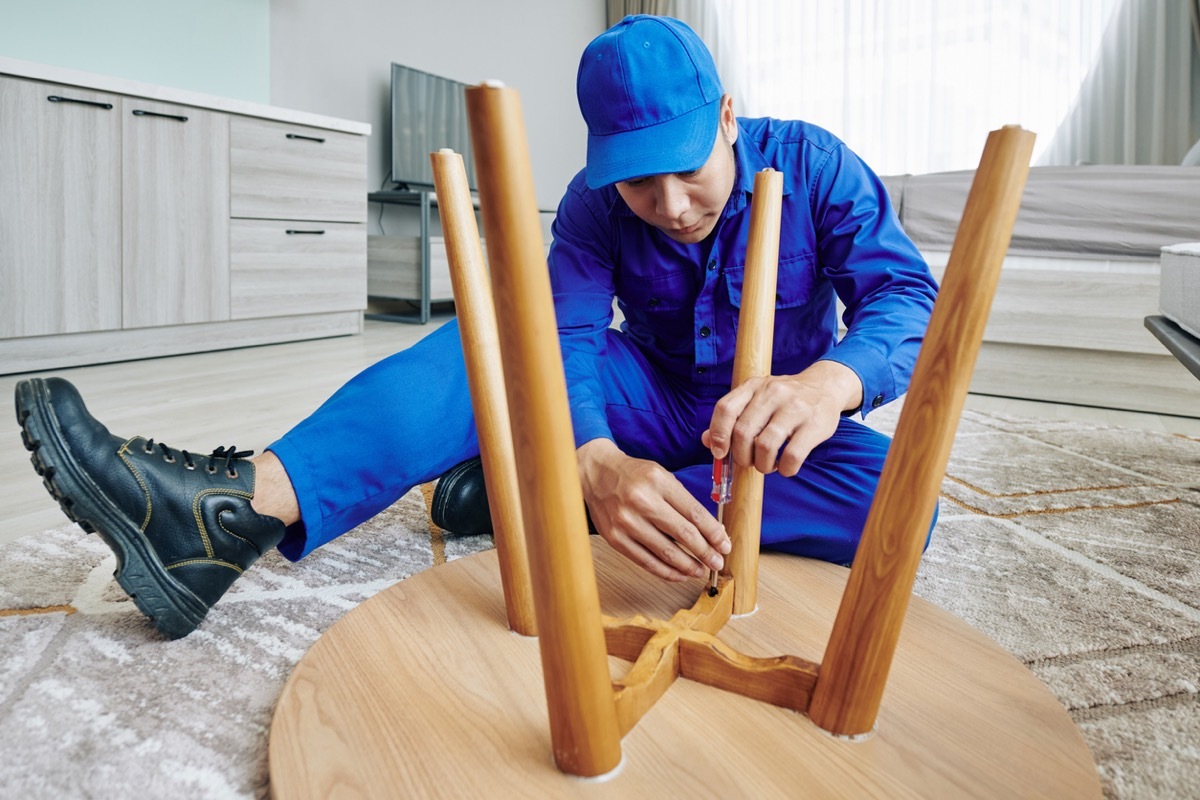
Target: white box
1179 286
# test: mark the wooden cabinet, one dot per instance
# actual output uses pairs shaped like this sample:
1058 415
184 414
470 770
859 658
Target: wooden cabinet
140 221
60 206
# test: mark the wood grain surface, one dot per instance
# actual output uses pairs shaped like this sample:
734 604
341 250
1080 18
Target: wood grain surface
422 691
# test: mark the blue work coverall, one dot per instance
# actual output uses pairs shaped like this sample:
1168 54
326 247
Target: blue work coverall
651 386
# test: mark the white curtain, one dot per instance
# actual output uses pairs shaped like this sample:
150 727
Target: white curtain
699 15
913 86
1140 104
618 9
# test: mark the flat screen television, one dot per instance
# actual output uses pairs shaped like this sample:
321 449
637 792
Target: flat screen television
429 112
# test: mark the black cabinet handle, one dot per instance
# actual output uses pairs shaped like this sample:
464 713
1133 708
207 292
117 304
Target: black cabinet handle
316 139
311 233
56 99
137 112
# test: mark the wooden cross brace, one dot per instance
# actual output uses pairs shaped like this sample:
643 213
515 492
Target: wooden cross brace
687 646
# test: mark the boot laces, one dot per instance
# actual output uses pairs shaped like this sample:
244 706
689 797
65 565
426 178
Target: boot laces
230 454
227 454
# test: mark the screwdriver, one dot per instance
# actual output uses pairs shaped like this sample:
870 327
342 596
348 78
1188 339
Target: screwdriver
722 479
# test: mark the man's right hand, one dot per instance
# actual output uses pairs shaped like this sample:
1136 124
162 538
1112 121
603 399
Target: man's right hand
646 514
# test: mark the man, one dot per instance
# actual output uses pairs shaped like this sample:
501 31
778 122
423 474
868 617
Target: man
658 219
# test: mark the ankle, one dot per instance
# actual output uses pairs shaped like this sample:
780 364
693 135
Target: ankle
273 492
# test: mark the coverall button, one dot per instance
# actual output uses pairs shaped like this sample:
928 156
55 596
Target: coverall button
654 301
712 264
705 331
701 370
877 402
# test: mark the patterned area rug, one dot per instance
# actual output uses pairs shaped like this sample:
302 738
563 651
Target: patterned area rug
1076 547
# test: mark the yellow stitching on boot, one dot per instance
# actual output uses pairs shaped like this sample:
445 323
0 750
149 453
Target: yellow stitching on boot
200 517
208 549
231 533
213 561
138 477
234 535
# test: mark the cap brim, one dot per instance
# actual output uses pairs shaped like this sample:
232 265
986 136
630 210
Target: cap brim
682 144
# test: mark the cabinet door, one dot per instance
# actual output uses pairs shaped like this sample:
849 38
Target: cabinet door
60 208
175 240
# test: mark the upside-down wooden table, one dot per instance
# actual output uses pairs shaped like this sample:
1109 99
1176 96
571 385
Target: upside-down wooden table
431 689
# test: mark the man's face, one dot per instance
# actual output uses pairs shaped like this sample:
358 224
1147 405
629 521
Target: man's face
687 205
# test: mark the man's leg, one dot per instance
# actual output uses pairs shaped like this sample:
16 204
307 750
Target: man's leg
821 511
185 526
399 423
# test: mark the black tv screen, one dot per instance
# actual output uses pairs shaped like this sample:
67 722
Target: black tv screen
428 113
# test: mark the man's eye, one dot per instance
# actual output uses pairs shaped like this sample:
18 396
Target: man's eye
689 174
635 182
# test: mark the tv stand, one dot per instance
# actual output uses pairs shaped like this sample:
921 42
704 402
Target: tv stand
424 199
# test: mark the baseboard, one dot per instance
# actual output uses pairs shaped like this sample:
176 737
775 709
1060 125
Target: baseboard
38 353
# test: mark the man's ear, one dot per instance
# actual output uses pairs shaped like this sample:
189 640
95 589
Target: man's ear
728 121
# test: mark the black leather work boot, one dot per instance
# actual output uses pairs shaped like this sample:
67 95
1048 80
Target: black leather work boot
180 524
460 503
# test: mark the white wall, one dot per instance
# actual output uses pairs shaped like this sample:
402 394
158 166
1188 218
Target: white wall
335 59
219 47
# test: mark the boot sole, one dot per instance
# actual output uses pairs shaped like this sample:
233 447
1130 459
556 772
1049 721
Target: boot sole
171 606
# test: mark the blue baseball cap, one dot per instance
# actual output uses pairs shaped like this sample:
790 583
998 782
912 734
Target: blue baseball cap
650 94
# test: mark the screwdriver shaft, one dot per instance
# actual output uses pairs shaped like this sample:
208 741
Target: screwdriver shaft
712 573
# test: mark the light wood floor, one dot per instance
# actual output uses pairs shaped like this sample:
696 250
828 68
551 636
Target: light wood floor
250 397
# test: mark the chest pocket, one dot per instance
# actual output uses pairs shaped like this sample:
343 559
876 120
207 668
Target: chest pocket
661 294
793 285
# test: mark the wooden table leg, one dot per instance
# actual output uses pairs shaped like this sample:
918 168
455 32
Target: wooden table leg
583 719
485 376
863 641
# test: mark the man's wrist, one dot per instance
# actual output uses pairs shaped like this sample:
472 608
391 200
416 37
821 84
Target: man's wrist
839 383
591 453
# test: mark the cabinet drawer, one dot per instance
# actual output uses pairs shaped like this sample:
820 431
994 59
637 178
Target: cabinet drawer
282 171
285 268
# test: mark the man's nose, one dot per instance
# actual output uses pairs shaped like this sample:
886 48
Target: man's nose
672 198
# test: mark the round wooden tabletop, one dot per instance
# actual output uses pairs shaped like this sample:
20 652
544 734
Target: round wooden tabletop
423 691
